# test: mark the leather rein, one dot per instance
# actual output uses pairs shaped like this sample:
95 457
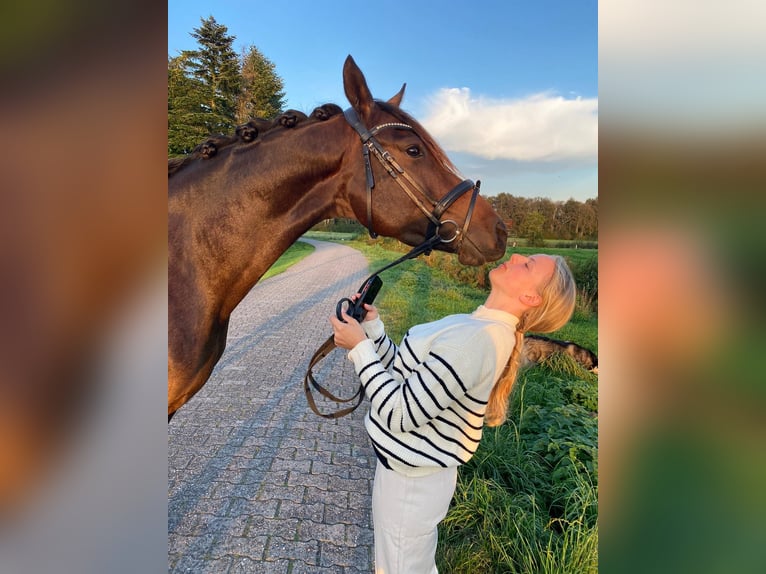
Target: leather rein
434 236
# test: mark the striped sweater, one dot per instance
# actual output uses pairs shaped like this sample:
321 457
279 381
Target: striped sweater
428 396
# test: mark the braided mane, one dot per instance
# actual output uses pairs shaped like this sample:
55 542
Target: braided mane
250 132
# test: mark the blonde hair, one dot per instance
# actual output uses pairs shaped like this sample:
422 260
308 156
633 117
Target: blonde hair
555 310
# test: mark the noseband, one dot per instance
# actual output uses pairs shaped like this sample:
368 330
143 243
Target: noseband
434 233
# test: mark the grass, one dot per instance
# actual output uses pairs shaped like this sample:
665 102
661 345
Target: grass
331 235
294 253
527 501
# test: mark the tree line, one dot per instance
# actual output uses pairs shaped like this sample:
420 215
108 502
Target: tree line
213 89
540 218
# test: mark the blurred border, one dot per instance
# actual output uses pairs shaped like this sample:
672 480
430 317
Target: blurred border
682 131
83 290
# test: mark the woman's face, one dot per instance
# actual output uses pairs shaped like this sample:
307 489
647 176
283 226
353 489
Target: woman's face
522 275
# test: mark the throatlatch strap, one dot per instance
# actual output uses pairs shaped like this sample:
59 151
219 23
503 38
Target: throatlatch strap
309 381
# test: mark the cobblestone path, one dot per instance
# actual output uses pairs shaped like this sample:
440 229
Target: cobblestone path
257 483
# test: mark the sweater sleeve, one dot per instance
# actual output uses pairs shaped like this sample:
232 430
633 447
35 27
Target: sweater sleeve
441 380
385 348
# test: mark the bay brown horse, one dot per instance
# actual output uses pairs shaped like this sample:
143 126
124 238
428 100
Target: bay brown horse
238 202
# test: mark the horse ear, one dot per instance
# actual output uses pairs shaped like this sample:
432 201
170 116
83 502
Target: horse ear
357 92
397 99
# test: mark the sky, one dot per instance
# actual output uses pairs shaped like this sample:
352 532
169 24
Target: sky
509 89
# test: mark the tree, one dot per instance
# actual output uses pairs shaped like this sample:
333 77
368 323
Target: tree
511 209
262 90
216 67
186 122
210 90
572 220
592 209
547 208
561 220
531 229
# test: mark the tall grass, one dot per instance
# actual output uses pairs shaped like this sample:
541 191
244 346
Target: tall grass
527 500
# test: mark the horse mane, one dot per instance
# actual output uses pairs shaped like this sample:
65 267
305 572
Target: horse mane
256 128
250 132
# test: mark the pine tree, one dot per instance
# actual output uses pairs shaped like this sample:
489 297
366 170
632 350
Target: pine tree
186 115
210 90
216 66
262 94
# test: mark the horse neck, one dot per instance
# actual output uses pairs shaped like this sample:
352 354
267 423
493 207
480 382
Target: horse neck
293 183
263 197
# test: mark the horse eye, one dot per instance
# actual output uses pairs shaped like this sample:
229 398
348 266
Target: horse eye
414 151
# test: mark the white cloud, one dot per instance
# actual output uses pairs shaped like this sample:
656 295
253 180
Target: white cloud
540 127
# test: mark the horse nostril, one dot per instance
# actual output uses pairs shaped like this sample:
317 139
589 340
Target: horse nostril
502 231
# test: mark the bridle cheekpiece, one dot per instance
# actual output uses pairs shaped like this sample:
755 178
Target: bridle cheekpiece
434 233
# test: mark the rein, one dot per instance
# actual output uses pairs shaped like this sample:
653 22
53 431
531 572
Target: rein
433 238
309 381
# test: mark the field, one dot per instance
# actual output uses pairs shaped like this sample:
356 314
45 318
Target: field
527 501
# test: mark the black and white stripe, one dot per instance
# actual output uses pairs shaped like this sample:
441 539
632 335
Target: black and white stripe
428 395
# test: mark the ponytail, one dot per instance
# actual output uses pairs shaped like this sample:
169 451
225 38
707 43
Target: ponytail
498 397
555 310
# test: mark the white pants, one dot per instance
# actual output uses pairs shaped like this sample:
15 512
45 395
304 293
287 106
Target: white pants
405 514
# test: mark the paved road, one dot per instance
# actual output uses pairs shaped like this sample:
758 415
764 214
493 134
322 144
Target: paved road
257 482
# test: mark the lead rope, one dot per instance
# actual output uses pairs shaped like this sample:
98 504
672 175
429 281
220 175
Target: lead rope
325 348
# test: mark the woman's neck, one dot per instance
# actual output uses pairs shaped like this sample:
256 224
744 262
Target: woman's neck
502 302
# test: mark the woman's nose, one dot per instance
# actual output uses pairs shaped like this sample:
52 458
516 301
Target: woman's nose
516 258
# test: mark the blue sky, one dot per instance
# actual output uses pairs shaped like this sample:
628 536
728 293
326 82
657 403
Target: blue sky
508 88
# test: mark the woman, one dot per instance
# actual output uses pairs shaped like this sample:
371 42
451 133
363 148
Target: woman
430 397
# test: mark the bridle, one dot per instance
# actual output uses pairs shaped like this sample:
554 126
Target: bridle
434 233
433 237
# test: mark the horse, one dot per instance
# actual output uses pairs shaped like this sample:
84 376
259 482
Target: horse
237 204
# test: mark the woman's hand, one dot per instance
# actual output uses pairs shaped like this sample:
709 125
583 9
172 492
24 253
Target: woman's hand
372 310
349 334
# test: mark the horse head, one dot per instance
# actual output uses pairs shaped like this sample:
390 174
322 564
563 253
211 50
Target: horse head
406 187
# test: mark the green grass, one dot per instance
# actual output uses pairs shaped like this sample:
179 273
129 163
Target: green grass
294 253
527 501
331 235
